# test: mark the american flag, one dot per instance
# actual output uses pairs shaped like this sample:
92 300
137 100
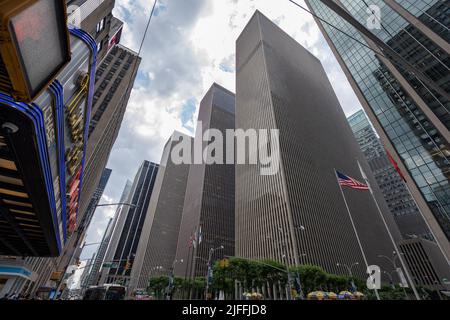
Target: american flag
347 181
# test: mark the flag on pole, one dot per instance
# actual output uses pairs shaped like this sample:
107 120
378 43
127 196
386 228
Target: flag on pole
195 238
200 235
191 241
347 181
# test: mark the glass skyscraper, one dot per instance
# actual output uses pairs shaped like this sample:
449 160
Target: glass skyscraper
406 95
402 206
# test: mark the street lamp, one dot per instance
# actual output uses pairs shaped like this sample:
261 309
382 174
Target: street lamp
171 278
390 278
394 264
349 269
208 274
284 256
116 204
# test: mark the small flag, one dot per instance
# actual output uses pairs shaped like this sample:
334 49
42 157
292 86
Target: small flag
194 239
200 235
191 241
347 181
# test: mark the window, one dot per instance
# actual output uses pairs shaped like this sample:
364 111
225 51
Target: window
99 46
101 25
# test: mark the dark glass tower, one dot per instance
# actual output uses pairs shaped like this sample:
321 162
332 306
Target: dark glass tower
402 206
209 202
130 233
406 94
298 216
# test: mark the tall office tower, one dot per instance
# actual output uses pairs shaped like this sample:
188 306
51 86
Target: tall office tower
114 81
97 264
209 201
397 59
130 233
111 237
158 244
402 206
297 215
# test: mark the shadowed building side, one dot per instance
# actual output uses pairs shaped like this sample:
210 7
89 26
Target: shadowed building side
156 251
209 202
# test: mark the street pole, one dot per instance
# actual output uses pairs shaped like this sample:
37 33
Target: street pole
211 251
171 279
413 287
354 228
394 255
349 269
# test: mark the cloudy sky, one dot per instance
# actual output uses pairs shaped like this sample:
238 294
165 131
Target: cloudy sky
190 44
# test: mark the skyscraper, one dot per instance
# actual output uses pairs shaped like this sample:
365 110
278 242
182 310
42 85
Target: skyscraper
399 66
130 233
155 254
402 206
209 202
111 237
97 263
298 215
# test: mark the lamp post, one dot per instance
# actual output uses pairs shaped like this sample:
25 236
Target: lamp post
390 278
284 256
171 279
394 264
211 252
349 269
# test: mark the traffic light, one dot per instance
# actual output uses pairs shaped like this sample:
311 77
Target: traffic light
34 45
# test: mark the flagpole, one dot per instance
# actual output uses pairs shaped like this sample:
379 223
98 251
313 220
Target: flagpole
399 254
354 228
193 260
187 268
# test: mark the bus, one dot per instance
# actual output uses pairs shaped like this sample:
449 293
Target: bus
105 292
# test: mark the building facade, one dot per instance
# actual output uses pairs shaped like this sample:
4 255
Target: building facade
158 243
209 202
126 249
402 206
403 91
111 238
297 215
96 18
